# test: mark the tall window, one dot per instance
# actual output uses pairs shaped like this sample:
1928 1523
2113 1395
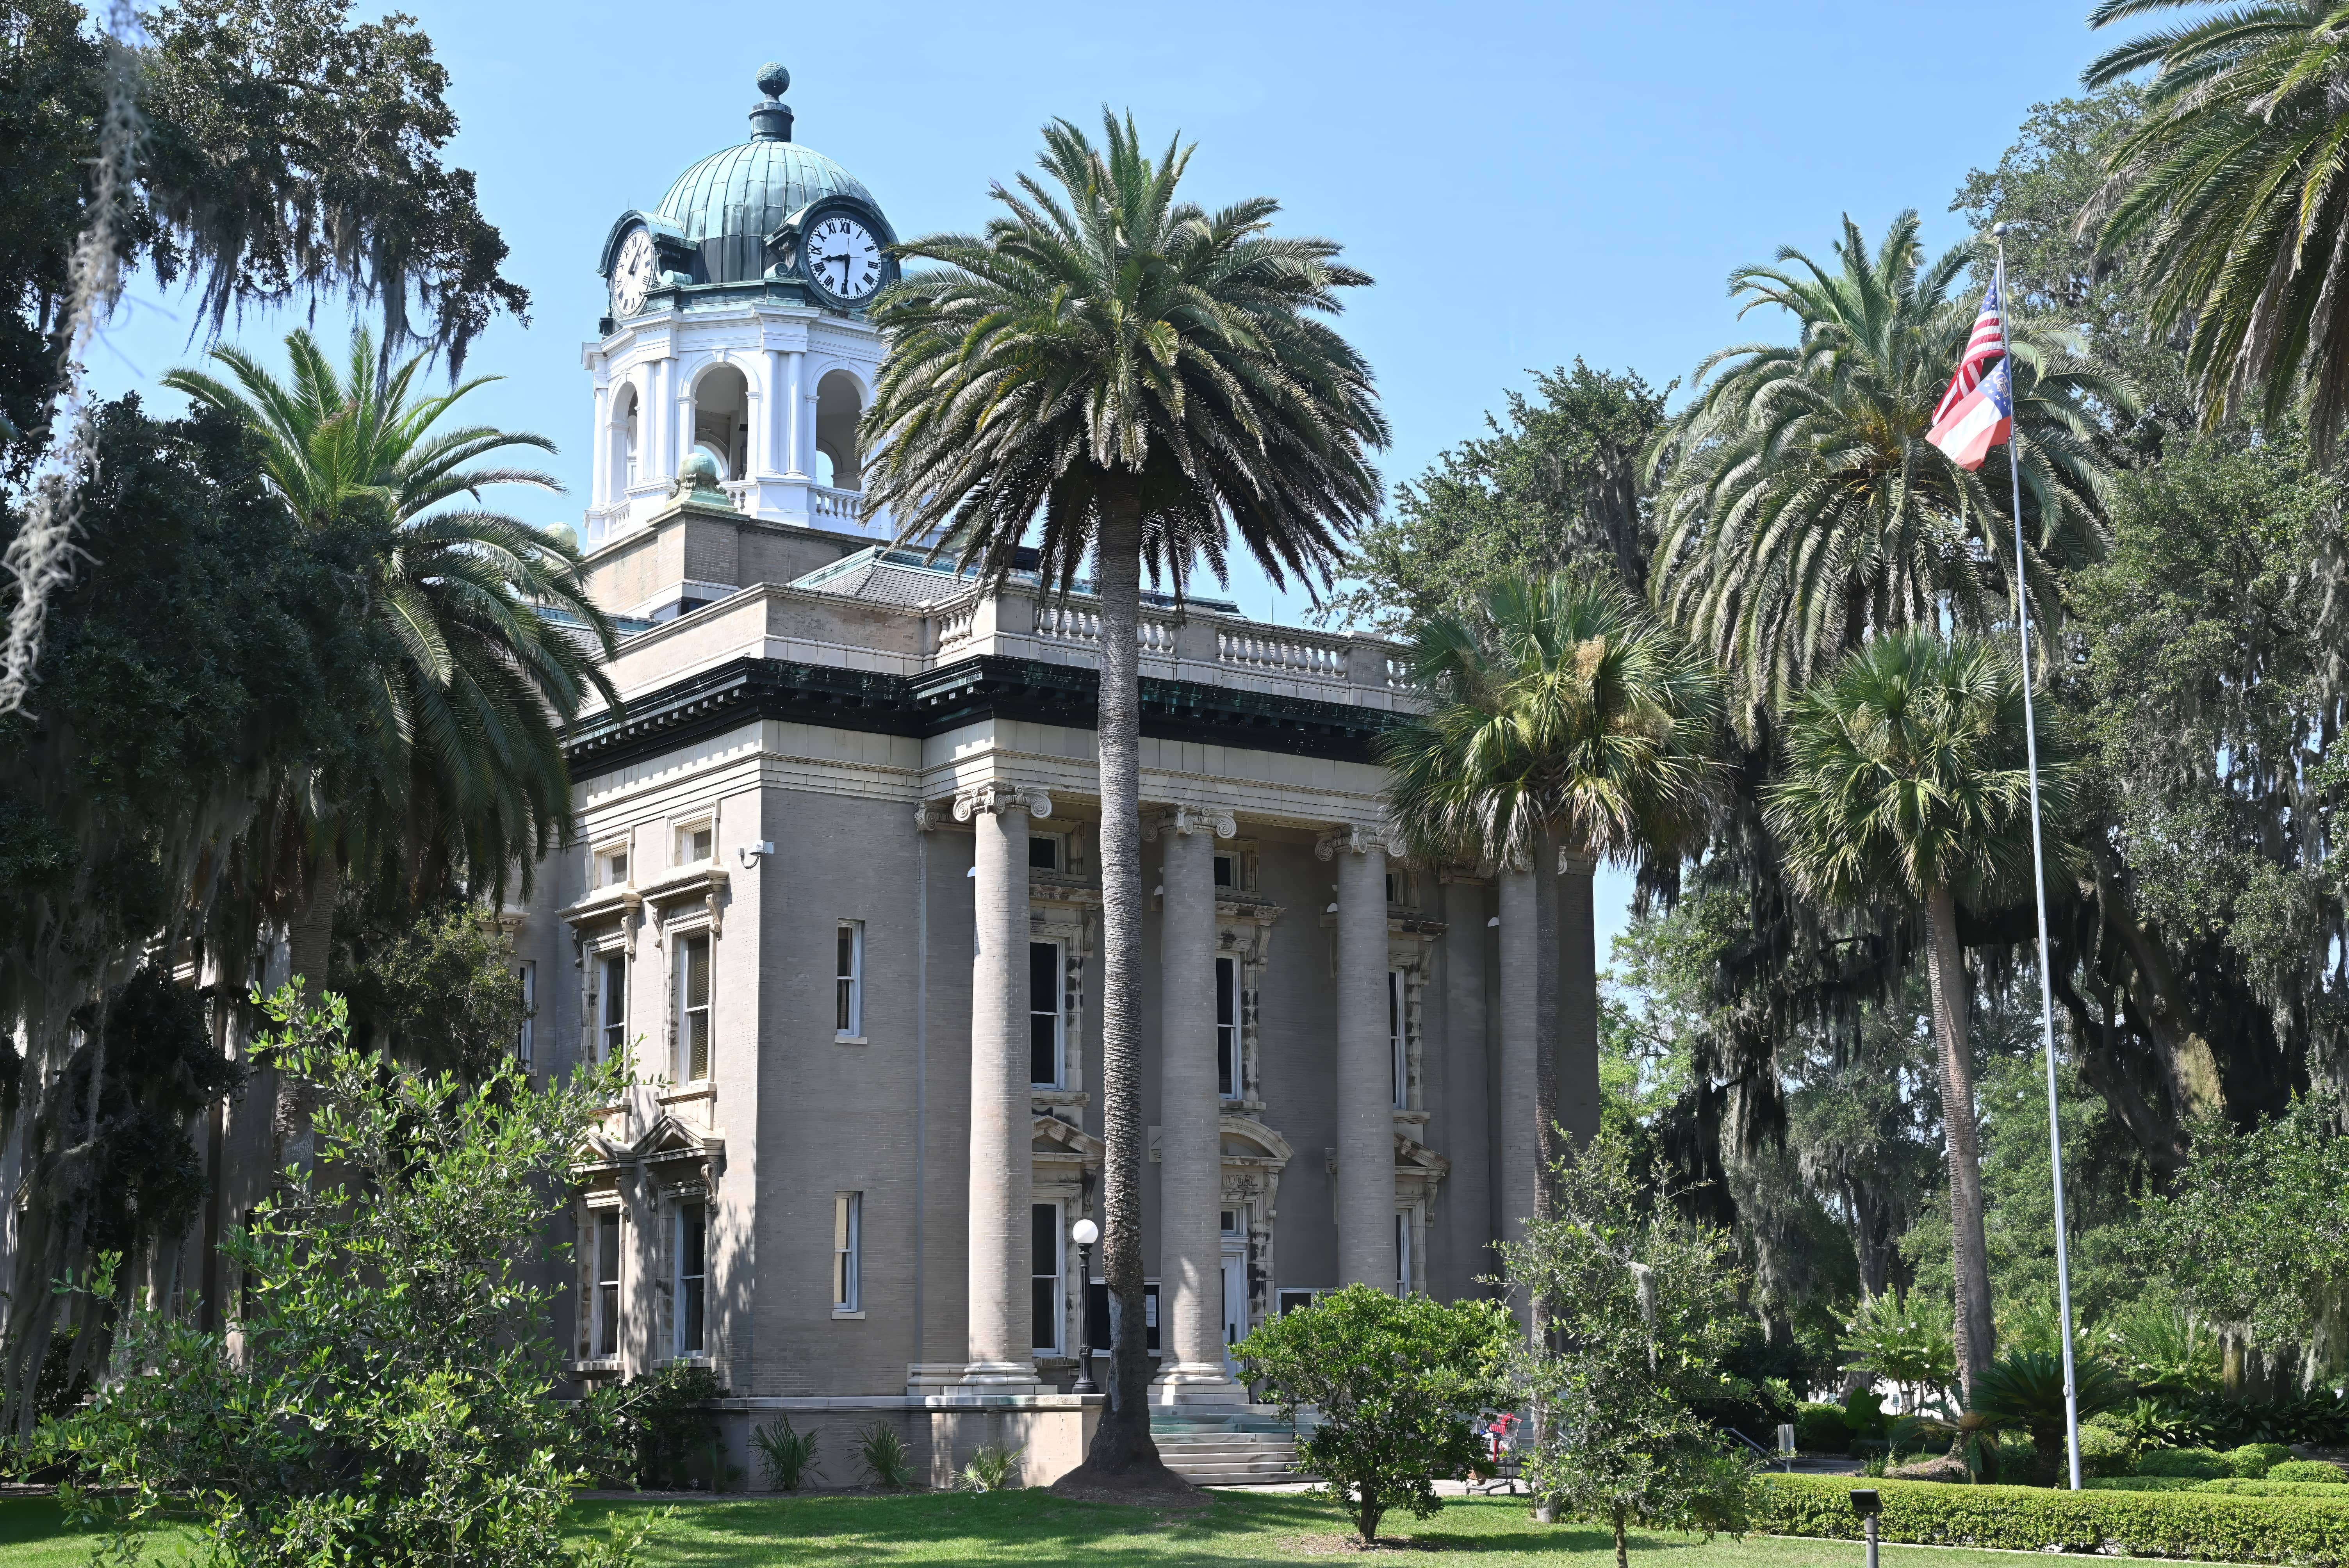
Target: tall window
847 1244
1044 851
1403 1254
607 1282
1228 871
1047 1026
612 866
1395 1052
611 1004
694 842
1044 1283
848 982
1227 1027
692 1276
526 981
693 1007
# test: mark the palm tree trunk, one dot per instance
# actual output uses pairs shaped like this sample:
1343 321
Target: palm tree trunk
1122 1454
1945 968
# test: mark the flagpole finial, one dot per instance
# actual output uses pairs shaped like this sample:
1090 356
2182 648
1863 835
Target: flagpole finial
1998 231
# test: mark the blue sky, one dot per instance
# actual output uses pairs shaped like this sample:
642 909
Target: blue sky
1526 182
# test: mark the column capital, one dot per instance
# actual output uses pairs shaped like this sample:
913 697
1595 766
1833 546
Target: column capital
997 800
1359 839
1204 820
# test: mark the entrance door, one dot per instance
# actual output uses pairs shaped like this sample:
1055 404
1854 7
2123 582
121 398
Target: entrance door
1235 1305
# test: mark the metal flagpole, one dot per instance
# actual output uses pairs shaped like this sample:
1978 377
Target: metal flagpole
2038 871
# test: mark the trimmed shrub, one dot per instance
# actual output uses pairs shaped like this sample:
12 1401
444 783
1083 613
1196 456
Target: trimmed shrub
2202 1464
2105 1452
2251 1461
2322 1491
2145 1483
2031 1519
2313 1471
1821 1429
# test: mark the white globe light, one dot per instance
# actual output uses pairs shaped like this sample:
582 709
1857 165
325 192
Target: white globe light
1084 1233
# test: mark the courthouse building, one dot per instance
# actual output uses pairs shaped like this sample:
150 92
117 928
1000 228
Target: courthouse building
837 890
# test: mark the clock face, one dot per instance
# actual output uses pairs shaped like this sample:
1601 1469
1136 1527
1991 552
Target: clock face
633 273
843 257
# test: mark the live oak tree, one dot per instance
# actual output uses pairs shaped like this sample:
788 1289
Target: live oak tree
1132 378
1397 1385
1642 1304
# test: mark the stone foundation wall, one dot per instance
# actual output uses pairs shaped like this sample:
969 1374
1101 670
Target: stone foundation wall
1051 1431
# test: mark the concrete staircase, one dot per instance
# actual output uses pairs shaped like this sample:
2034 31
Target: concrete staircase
1247 1446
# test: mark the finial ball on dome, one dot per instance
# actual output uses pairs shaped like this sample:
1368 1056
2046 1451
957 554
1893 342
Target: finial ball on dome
773 80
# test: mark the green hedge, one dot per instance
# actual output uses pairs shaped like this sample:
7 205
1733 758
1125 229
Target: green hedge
2142 1483
2028 1519
2315 1472
2322 1492
2202 1464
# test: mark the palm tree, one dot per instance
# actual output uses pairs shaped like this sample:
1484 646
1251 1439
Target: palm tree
2025 1388
1905 773
1801 508
1138 377
478 621
2231 191
1560 717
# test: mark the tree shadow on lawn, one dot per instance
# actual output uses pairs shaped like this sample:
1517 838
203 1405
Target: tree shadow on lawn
1035 1528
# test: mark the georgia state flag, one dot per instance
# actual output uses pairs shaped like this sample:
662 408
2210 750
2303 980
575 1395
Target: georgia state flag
1979 420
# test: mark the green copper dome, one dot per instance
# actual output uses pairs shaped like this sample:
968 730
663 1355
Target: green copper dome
729 204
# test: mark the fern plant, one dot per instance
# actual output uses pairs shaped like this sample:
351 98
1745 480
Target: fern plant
882 1455
787 1459
990 1469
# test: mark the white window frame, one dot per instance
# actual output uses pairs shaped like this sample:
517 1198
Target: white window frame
692 1285
1058 1277
1403 1259
1398 1029
686 833
848 985
612 864
611 1003
610 1284
681 981
1058 1014
847 1252
1227 1035
526 975
1282 1306
1223 859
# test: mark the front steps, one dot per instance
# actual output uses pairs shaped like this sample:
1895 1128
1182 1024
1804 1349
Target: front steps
1249 1445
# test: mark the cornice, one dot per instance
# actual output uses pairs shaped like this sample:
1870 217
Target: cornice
936 701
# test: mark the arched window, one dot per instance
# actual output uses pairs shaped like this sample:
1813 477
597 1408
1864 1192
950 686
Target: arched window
621 455
838 405
721 420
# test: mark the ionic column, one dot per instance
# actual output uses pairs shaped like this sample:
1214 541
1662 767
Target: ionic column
1190 1139
1522 1042
1366 1191
1002 1358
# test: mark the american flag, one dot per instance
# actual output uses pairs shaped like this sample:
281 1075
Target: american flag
1984 346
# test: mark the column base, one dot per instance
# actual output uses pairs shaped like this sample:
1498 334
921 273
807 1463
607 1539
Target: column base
1000 1377
1197 1383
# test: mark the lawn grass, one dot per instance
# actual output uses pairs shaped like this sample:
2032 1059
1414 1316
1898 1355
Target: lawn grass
1036 1529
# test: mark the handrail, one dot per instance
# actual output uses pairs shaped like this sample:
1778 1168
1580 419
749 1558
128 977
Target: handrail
1766 1456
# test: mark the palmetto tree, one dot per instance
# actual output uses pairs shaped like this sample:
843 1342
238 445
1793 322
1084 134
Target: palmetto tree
1560 716
1905 775
2232 193
1801 508
487 640
1132 376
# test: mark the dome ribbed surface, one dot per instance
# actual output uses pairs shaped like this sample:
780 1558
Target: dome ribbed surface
732 200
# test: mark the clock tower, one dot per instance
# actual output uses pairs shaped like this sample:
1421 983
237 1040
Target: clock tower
735 358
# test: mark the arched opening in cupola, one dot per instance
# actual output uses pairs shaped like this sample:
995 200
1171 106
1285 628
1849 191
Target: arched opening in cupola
620 444
838 405
721 420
